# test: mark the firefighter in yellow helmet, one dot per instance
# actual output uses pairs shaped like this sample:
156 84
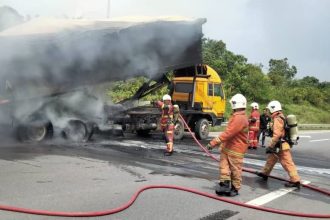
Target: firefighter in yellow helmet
279 149
234 143
167 121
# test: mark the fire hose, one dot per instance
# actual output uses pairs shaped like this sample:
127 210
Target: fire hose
148 187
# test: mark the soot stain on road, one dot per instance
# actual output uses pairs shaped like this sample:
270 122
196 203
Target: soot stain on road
121 156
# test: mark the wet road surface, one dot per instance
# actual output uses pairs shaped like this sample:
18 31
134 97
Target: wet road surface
105 173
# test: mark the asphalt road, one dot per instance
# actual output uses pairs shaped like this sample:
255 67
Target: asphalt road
105 173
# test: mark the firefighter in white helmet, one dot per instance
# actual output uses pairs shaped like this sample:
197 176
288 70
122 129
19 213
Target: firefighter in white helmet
254 126
233 143
167 122
279 149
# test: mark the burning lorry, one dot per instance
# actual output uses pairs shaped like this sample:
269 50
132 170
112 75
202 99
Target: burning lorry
48 67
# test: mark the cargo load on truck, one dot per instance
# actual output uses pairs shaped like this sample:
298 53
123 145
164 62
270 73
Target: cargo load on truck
56 55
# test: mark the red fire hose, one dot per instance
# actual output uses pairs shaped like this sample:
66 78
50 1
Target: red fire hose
134 197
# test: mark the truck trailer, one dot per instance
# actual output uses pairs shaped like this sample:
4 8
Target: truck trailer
48 65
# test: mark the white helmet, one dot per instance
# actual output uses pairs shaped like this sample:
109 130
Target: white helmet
274 106
167 97
238 101
255 105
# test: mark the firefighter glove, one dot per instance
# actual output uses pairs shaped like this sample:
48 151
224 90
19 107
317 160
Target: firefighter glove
272 150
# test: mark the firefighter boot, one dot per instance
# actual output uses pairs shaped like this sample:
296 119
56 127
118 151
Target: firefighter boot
262 175
291 184
168 153
233 192
223 188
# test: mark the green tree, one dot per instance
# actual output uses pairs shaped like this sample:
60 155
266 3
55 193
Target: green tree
280 72
255 84
309 81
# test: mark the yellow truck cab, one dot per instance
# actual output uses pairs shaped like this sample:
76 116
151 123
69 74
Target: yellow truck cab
199 92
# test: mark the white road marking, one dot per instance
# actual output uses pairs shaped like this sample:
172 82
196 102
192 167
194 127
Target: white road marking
312 170
272 196
319 140
305 136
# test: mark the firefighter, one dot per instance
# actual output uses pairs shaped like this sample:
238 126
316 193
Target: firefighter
233 143
167 122
264 123
254 123
279 149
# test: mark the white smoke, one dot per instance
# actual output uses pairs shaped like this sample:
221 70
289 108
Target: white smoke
46 57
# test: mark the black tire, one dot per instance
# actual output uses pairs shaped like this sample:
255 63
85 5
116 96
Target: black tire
143 133
76 131
202 129
178 130
35 132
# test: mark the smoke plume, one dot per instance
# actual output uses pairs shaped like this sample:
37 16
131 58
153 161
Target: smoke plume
45 57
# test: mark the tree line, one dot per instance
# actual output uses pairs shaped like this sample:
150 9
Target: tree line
278 83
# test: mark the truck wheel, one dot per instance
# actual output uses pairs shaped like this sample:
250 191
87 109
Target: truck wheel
76 131
202 129
178 130
34 132
143 133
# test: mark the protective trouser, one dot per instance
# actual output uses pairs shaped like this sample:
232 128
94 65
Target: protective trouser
169 133
285 158
231 169
253 138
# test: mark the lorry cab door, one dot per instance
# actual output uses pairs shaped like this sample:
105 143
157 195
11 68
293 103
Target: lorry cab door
216 98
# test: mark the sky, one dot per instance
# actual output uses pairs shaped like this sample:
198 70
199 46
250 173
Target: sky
260 30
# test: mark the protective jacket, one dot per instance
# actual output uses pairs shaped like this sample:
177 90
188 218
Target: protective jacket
167 114
254 120
278 131
234 138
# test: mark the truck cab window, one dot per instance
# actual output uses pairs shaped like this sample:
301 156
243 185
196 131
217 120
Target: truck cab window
218 90
210 89
183 87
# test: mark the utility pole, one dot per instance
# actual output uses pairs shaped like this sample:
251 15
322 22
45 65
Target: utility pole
108 9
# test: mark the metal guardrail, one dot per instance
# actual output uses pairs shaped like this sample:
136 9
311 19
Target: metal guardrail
314 126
